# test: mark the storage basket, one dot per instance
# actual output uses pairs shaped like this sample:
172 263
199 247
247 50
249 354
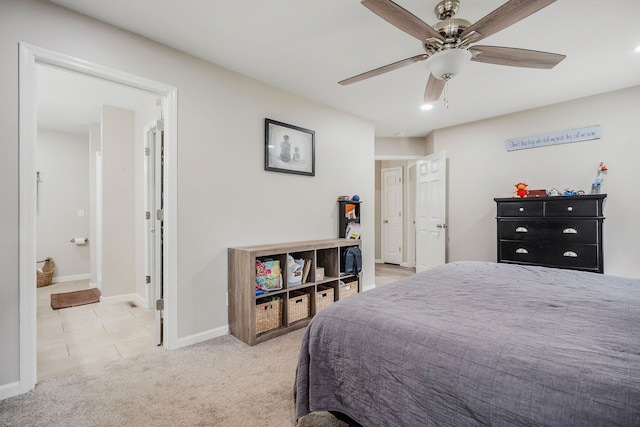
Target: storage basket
348 289
298 306
324 297
45 273
268 314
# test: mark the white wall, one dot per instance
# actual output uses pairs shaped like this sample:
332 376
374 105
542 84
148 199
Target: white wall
225 198
480 169
61 159
118 201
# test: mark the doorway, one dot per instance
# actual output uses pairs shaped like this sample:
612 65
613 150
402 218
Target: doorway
392 215
412 193
30 58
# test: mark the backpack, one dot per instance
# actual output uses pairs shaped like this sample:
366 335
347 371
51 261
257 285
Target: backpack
352 260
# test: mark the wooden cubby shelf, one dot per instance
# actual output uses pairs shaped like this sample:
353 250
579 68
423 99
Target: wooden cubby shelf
295 304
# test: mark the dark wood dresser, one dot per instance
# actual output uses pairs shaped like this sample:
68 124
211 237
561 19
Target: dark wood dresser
561 232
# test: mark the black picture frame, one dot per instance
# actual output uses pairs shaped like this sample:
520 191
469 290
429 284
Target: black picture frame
289 148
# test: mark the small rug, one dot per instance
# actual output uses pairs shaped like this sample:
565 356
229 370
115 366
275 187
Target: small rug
75 298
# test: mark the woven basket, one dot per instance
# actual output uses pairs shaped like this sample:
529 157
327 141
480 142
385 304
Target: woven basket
268 315
45 274
348 289
298 306
324 297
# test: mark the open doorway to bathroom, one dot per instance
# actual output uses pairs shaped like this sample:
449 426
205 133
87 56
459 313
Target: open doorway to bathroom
72 266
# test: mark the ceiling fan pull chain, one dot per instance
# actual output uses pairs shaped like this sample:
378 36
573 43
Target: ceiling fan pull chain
445 99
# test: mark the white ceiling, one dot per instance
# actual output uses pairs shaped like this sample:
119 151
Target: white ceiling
306 47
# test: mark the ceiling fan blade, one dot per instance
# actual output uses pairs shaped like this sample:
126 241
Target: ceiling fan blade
504 16
515 57
434 89
384 69
401 18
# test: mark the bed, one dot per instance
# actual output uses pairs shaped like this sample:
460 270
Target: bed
475 343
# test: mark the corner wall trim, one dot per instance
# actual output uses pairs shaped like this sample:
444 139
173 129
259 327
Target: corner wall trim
9 390
203 336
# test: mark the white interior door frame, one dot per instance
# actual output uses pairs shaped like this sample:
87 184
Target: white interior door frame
392 205
410 159
30 57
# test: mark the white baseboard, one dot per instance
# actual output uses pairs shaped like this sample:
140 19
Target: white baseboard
73 278
9 390
202 336
368 287
137 299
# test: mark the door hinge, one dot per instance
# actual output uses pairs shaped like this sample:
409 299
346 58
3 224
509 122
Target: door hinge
160 215
159 304
147 279
147 215
160 125
147 151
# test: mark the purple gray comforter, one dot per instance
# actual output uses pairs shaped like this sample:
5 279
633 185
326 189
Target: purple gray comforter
472 343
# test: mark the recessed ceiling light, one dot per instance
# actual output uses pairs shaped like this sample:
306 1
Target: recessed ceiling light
637 49
426 107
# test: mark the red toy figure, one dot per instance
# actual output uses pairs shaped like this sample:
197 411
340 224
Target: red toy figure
521 189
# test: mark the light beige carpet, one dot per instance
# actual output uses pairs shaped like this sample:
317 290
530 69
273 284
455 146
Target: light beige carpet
222 382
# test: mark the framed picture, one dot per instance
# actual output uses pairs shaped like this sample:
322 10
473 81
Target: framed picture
289 149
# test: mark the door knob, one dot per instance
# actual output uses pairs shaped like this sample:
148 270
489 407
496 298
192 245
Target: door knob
441 225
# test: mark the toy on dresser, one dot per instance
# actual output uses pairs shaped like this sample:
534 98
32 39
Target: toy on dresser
521 189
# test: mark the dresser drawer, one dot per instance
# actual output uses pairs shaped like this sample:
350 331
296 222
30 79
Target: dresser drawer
518 208
560 230
571 208
570 255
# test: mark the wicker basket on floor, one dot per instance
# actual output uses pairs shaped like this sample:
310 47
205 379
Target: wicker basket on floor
324 297
268 315
45 274
299 307
348 289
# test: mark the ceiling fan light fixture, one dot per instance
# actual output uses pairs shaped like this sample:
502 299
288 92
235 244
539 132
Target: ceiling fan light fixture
426 107
447 63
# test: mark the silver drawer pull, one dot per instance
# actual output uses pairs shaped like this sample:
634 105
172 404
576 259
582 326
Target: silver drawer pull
522 230
522 251
521 209
570 254
570 231
569 208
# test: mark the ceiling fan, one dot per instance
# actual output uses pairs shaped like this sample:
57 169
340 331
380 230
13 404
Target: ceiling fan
447 44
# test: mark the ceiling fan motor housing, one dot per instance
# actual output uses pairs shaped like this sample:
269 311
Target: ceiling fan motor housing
447 9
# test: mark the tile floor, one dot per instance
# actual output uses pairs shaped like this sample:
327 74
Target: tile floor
387 273
71 338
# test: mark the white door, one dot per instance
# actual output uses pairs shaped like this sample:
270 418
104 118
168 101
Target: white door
154 223
431 202
392 215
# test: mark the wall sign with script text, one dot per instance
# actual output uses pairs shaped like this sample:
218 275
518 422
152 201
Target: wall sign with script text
554 138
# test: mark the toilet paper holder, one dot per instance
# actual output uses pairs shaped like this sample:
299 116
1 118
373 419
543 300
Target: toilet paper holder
80 240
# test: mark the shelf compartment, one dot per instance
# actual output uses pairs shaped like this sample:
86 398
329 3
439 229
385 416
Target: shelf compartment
348 288
324 297
328 260
298 306
308 267
268 314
